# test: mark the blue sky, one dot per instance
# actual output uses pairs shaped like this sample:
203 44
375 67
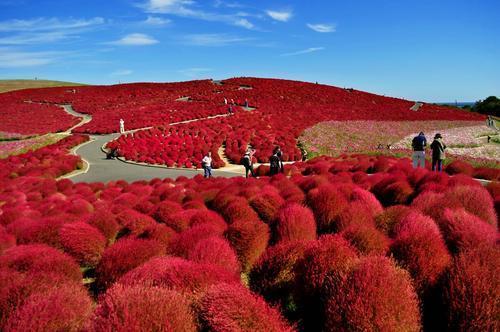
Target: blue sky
427 50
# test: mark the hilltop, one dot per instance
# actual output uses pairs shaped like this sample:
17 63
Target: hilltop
12 85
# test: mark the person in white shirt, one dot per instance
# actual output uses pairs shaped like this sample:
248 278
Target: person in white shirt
122 126
206 163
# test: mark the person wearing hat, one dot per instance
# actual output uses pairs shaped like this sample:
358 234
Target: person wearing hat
438 156
418 144
247 161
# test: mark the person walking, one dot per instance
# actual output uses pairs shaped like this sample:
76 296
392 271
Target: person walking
122 126
246 103
277 151
274 161
438 155
206 163
225 101
418 144
247 162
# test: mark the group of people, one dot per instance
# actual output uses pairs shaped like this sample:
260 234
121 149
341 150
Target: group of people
419 144
231 105
275 161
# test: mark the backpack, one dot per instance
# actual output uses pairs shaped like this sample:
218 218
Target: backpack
274 161
245 160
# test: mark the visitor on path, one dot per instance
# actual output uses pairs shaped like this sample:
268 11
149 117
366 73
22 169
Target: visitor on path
418 144
225 101
438 156
247 161
112 154
304 154
274 162
246 103
206 163
230 110
277 151
122 126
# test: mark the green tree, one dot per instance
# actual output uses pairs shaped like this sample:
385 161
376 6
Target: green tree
489 106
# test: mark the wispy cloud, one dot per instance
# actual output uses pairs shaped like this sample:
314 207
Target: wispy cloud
213 39
157 21
12 58
135 39
191 9
48 24
282 16
307 50
323 28
122 72
37 38
195 72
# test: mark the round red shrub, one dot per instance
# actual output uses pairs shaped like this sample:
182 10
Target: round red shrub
249 238
105 221
42 230
208 217
366 239
267 205
84 242
463 230
230 307
459 167
165 209
142 308
159 232
185 241
472 290
238 209
180 221
40 258
393 191
420 249
216 251
295 222
186 277
388 220
327 203
274 275
6 240
368 199
65 308
475 200
376 296
355 214
123 256
133 223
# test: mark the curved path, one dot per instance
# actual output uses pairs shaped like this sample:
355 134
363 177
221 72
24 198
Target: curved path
99 169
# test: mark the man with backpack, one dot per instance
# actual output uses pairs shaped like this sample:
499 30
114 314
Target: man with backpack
247 162
418 144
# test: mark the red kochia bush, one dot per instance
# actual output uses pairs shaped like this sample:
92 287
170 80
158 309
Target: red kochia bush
367 239
368 199
459 167
183 276
165 209
267 205
475 200
388 220
463 230
295 222
41 230
377 296
123 256
185 241
230 307
420 249
472 290
217 251
133 223
327 203
6 240
82 241
39 258
249 238
142 308
106 222
65 308
274 276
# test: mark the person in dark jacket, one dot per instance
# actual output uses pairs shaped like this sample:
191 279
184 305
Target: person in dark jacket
277 152
247 162
438 154
418 144
274 161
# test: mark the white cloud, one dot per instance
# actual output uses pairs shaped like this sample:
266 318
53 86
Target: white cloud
11 58
157 21
324 28
47 24
190 9
135 39
282 16
122 72
307 50
36 38
195 72
213 39
243 22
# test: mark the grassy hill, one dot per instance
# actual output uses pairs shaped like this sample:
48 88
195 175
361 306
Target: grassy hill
11 85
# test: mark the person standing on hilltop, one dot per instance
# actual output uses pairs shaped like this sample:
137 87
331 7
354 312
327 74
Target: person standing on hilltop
418 144
206 163
438 156
122 126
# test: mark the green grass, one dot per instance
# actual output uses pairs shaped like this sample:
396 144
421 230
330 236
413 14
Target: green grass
12 85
